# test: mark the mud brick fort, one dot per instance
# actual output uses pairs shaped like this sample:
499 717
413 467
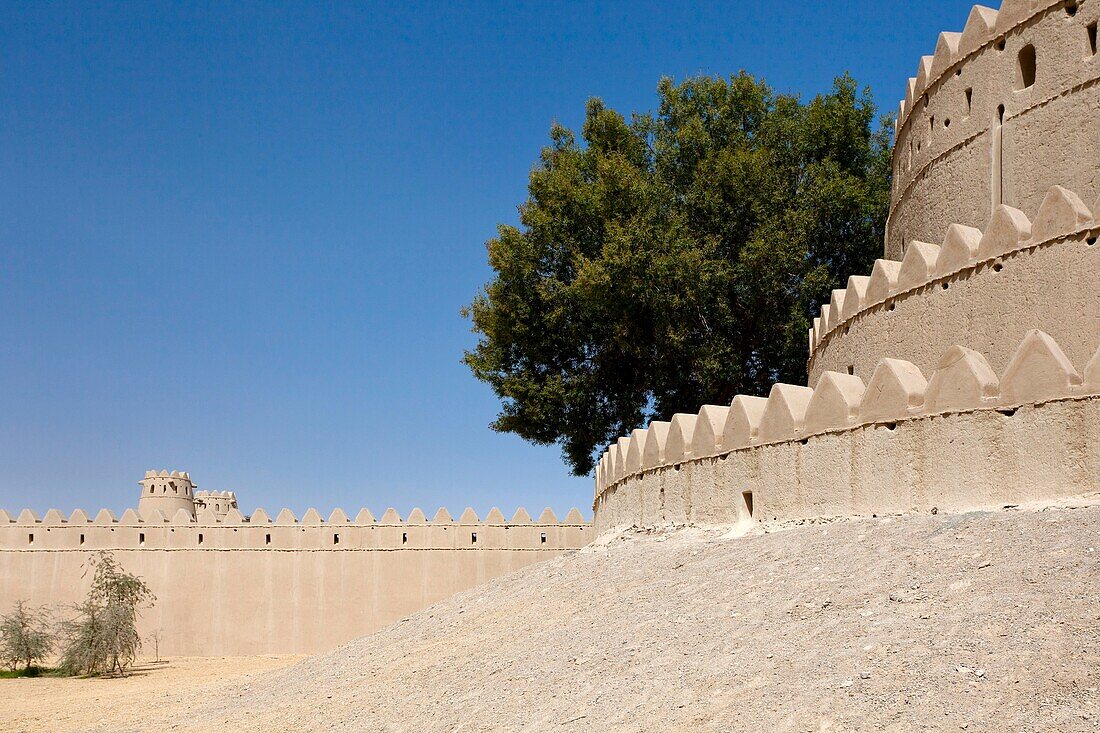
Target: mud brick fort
961 372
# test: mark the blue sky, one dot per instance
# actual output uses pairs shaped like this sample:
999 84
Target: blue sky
235 237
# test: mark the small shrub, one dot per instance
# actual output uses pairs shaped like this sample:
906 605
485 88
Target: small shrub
25 637
103 637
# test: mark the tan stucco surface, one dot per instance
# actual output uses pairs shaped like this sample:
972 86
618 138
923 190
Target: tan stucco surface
1053 287
235 594
948 173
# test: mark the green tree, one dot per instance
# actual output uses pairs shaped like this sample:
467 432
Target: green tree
676 259
103 637
25 636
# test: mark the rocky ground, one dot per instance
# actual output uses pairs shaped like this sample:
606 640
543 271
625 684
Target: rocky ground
977 622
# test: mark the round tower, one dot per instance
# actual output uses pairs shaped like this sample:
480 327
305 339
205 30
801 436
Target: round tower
168 492
219 502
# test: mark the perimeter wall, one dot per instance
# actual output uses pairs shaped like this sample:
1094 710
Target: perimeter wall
239 587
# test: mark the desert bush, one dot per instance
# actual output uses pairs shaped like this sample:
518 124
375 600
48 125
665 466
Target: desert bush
103 637
25 636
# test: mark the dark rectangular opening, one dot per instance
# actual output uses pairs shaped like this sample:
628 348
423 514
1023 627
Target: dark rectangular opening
747 496
1026 67
335 539
82 539
544 538
267 539
30 538
1092 38
969 100
473 538
851 369
200 538
141 538
404 538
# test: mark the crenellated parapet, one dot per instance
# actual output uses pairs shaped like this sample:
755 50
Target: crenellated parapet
259 531
999 113
986 287
805 452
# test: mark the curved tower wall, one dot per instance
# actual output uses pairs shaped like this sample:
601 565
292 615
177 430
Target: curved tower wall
962 371
166 492
976 129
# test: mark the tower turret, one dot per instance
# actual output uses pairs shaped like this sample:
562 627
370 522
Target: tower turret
219 502
168 492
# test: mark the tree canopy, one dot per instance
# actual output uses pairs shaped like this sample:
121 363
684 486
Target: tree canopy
676 258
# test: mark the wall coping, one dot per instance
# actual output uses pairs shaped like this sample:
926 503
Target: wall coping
963 382
1062 217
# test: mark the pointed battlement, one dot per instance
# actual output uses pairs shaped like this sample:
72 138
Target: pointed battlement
1014 275
996 116
963 381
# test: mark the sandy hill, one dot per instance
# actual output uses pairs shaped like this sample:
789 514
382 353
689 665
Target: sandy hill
978 622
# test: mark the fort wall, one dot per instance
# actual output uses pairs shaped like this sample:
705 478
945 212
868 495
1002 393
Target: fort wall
234 586
963 438
985 289
1001 112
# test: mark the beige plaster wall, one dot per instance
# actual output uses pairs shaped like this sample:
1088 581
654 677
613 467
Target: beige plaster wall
235 593
952 462
944 161
958 436
990 307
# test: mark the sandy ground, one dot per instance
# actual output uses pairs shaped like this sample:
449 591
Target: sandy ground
60 705
976 622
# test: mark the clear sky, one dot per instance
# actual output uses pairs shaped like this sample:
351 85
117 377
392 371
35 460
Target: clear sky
235 237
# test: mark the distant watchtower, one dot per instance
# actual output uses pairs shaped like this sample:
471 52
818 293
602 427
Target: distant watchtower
219 502
168 492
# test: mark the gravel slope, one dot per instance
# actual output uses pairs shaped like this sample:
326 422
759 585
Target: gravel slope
978 622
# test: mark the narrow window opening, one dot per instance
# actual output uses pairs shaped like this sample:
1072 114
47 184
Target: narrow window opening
82 539
747 497
473 538
851 369
932 123
30 538
1092 39
1026 67
998 267
947 122
1001 45
997 184
404 538
543 538
969 99
141 538
267 539
335 539
200 538
1071 9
